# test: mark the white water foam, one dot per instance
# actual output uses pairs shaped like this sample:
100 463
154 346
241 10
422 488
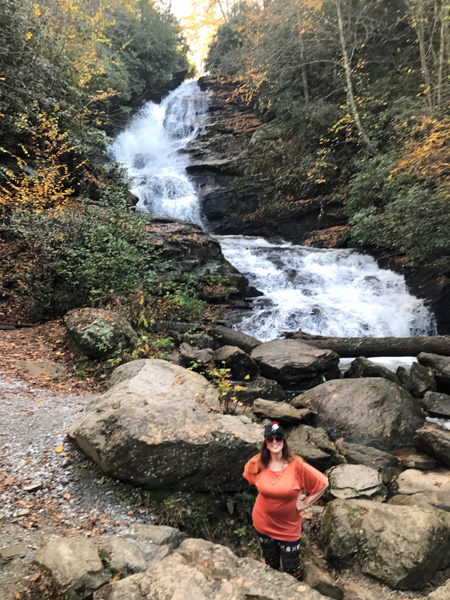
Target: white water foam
150 149
325 292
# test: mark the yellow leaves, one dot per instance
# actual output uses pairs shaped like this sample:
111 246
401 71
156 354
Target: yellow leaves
59 449
47 185
428 158
29 35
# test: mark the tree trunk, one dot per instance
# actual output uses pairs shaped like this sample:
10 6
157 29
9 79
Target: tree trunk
388 346
418 22
443 16
348 76
302 58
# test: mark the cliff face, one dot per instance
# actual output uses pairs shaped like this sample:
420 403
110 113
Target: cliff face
235 199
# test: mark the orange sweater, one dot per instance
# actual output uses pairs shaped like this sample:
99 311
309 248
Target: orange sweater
275 513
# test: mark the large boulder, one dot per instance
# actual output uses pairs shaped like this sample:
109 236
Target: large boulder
356 454
99 333
439 364
355 481
314 446
434 441
431 487
239 362
200 570
402 546
362 367
295 364
156 428
370 411
74 565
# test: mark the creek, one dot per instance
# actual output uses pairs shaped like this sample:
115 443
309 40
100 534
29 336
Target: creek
323 292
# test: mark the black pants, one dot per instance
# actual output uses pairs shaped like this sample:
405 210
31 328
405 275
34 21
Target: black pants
288 552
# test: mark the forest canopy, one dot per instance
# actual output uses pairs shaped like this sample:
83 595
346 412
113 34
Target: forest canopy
359 90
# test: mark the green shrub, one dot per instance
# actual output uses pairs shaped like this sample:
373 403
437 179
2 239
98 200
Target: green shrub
83 253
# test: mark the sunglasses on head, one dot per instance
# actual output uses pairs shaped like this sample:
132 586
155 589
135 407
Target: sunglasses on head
277 438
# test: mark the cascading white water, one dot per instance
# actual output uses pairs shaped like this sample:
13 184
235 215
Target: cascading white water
339 293
326 292
150 149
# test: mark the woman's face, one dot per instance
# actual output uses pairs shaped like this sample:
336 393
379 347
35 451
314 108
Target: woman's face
275 443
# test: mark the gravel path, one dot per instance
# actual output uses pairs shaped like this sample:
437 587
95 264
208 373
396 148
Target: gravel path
69 494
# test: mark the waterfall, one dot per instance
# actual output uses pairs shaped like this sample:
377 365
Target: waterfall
323 292
150 149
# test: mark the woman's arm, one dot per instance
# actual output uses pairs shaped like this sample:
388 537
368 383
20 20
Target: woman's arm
309 500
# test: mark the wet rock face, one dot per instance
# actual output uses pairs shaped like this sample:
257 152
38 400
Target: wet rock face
235 202
371 411
402 546
155 428
98 333
191 250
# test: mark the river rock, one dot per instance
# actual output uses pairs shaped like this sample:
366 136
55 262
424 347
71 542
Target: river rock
362 367
224 336
295 364
74 565
128 556
371 411
355 481
280 411
190 356
161 535
439 364
437 404
238 361
154 428
441 593
314 446
319 579
200 340
200 570
415 460
402 546
434 441
422 380
432 488
260 387
98 333
356 454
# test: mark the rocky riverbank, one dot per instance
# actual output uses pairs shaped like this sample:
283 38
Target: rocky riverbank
161 428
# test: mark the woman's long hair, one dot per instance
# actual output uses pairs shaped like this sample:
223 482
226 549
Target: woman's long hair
264 454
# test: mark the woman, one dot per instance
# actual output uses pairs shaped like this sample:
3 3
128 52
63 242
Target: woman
287 485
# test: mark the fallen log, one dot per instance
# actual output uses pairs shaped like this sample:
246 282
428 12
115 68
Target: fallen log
387 346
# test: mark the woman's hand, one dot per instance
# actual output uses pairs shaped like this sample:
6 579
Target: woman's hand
302 501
